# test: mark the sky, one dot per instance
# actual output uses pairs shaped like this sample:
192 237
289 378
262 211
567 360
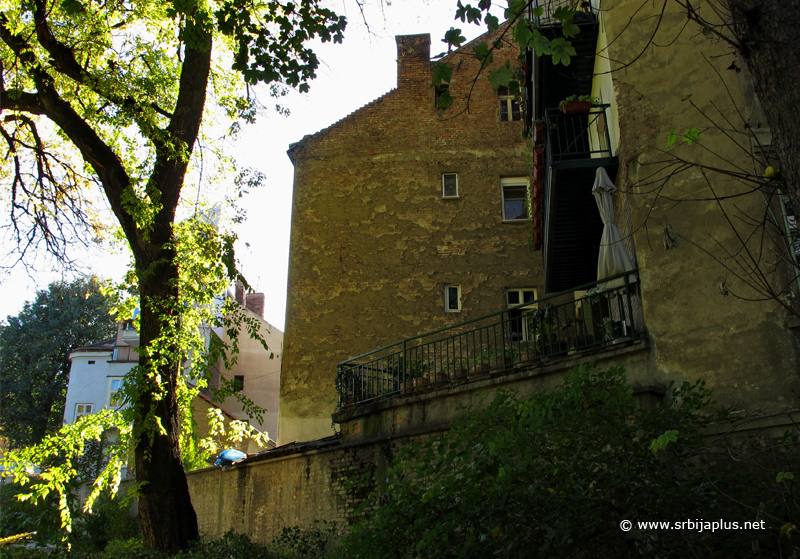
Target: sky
351 75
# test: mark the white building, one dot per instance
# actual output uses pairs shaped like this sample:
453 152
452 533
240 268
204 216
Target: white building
97 372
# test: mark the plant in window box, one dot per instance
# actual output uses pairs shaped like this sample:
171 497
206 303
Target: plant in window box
578 104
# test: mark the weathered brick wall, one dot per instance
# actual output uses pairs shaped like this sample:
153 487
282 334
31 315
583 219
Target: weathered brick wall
374 243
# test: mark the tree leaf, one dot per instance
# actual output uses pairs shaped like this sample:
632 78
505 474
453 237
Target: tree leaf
671 138
501 77
562 50
445 100
454 37
442 72
691 135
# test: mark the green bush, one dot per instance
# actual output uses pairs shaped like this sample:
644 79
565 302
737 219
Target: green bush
17 517
109 520
555 475
316 542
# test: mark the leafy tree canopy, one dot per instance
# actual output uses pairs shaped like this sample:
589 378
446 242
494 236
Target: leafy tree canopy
112 94
34 355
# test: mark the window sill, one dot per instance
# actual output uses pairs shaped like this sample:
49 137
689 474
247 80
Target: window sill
516 221
450 197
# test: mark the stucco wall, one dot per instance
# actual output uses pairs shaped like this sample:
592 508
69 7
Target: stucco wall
744 349
89 383
261 370
373 242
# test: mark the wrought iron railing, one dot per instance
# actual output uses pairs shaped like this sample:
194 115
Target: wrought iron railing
583 11
548 327
573 137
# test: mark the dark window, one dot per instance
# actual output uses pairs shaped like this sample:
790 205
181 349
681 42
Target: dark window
440 91
449 185
91 362
238 383
452 298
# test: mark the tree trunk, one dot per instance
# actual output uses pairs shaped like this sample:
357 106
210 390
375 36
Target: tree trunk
768 32
166 514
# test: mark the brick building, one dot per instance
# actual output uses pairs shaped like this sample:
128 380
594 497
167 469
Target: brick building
405 219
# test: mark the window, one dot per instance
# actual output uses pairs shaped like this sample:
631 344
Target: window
515 199
449 185
91 362
238 383
442 90
509 105
114 386
518 328
452 298
81 410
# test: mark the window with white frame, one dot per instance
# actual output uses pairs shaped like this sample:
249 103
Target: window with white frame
449 185
81 410
452 298
509 105
114 386
518 327
515 198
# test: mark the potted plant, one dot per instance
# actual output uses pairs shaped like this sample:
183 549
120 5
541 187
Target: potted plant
419 372
578 104
482 366
501 362
457 369
527 350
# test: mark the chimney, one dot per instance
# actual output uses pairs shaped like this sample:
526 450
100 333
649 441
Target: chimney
239 296
255 303
413 61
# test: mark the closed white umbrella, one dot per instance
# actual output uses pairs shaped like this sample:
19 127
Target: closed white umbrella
613 258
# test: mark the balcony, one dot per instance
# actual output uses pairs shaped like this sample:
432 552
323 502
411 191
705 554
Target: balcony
549 7
577 140
550 328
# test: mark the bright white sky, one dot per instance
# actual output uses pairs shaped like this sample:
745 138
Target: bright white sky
352 74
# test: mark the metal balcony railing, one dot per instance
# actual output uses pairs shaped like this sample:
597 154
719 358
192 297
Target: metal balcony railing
576 137
551 326
549 8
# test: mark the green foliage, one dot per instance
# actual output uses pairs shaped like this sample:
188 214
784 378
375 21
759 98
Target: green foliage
62 459
501 77
113 95
554 475
34 355
692 134
586 98
561 50
109 520
313 543
17 517
198 453
662 441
